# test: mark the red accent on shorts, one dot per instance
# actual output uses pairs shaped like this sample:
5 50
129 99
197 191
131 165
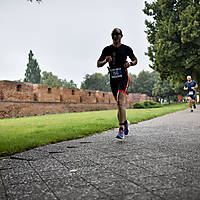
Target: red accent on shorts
122 91
126 86
127 82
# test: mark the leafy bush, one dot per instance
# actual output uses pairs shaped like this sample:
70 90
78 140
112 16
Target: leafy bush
138 105
147 104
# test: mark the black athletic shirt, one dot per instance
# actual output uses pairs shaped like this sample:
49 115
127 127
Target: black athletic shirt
119 56
190 85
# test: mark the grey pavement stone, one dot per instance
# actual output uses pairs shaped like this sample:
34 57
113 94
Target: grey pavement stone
177 193
60 184
159 159
10 177
31 155
191 179
33 190
74 187
137 196
47 164
3 196
17 165
114 185
61 173
74 160
5 163
162 169
79 193
2 189
189 166
158 183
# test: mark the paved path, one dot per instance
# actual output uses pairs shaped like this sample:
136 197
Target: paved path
160 159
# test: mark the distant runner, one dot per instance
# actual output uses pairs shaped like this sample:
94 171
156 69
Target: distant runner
190 86
116 55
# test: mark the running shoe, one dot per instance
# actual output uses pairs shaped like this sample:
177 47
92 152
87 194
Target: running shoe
194 106
191 111
120 134
126 130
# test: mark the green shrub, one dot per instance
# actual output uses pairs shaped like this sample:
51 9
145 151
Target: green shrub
138 105
147 104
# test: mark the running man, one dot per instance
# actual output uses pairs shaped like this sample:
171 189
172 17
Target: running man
116 55
190 86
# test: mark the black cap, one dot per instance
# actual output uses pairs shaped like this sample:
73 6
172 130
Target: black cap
117 31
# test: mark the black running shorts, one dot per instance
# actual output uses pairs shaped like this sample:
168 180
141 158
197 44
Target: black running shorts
119 85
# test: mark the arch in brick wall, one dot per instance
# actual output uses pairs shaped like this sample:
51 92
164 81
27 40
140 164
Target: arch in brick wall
61 98
81 99
49 90
19 88
1 96
35 97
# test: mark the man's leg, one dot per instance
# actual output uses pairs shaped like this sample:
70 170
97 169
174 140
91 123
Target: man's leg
194 102
121 103
114 87
190 103
121 114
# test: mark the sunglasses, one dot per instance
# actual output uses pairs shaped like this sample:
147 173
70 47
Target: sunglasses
116 33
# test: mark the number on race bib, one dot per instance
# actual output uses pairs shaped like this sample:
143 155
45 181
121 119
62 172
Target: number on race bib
116 73
191 92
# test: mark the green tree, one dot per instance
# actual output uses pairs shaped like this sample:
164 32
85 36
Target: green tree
96 81
50 79
33 70
167 89
53 80
69 84
145 82
162 90
174 37
132 81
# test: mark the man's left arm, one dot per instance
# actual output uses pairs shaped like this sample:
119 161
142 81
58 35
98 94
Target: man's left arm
132 56
195 86
133 61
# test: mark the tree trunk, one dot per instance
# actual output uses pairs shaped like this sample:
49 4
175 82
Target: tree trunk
169 100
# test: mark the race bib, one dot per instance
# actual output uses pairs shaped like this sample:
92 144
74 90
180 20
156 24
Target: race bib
191 92
116 73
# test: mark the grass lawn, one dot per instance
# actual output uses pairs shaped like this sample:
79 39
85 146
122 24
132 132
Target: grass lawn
20 134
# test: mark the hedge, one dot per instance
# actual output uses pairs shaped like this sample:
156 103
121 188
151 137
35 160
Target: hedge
147 104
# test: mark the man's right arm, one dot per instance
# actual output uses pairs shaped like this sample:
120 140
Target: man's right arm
185 87
101 62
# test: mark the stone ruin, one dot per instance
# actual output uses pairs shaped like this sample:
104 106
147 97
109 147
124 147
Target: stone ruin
19 99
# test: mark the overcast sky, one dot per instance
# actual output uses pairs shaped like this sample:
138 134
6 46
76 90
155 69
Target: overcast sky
67 37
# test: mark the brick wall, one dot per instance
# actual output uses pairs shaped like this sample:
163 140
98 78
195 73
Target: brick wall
21 109
14 91
27 99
